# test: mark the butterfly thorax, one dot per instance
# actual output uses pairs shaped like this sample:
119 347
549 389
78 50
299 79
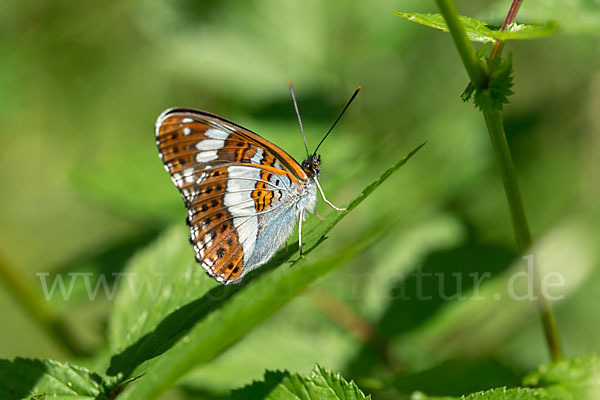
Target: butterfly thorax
312 165
306 197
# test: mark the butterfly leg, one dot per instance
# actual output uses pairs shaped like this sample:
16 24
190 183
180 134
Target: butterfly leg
300 231
318 216
324 199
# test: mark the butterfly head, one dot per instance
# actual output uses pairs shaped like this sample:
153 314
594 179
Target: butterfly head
312 165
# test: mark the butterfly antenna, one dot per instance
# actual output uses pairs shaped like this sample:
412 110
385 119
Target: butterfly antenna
338 118
299 120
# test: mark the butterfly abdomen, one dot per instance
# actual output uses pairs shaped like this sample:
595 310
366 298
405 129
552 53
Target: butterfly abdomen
278 226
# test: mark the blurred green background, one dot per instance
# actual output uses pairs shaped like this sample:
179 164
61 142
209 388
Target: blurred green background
82 187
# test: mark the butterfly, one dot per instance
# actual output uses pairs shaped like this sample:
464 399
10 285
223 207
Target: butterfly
243 194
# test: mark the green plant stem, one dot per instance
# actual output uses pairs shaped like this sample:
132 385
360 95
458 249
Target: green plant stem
493 120
467 54
54 326
505 164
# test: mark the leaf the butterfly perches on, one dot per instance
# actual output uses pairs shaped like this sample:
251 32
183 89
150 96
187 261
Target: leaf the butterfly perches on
243 193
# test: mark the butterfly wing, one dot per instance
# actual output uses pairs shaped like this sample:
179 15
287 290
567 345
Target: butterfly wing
235 185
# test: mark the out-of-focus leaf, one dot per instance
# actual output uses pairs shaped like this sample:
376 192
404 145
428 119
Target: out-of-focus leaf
449 378
135 184
320 384
508 394
573 379
487 316
24 378
94 275
480 31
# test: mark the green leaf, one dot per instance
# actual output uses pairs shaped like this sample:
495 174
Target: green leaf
578 17
576 378
147 326
508 394
573 379
499 85
36 379
448 378
150 312
320 384
480 31
467 94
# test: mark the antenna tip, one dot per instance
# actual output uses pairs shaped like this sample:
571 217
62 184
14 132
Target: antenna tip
290 83
359 87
